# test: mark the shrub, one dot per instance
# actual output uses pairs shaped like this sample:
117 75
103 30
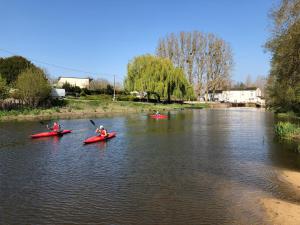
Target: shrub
126 98
33 87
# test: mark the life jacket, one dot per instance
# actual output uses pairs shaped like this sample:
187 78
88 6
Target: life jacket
55 127
103 132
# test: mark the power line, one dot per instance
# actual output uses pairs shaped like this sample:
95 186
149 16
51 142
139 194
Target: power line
61 67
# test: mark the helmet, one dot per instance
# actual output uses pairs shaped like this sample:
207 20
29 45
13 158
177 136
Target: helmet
101 127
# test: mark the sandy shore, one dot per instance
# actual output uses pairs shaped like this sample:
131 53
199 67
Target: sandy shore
281 212
292 178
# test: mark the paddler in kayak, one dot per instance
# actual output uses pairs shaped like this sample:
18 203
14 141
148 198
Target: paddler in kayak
55 127
102 131
157 113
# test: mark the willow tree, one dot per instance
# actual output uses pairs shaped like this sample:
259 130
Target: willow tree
205 58
283 86
156 75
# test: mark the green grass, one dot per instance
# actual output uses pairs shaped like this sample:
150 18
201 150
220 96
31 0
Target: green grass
16 112
287 130
288 115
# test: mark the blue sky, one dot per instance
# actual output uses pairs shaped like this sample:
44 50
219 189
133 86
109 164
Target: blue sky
102 36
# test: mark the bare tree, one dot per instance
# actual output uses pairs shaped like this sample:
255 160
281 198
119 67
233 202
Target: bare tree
248 81
205 58
99 84
261 82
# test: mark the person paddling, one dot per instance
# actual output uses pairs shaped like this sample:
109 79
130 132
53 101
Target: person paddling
55 127
102 131
157 113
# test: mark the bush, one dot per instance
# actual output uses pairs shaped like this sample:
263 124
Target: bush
71 89
126 98
58 102
33 87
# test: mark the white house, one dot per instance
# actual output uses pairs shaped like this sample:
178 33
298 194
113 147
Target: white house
248 95
215 96
74 81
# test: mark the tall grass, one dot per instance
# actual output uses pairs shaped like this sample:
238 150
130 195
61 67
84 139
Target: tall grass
287 114
287 130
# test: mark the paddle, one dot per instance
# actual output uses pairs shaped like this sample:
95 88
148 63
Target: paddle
92 122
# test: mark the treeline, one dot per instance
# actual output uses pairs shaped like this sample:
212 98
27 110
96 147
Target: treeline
205 59
259 82
22 83
187 66
283 86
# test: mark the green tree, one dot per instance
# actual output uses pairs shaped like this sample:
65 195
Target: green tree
71 88
156 75
11 67
283 85
3 88
33 87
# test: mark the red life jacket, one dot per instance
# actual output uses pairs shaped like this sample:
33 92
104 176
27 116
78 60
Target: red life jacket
103 132
55 127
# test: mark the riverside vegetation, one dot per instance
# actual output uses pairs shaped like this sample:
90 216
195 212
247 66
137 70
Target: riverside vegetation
283 85
92 105
19 98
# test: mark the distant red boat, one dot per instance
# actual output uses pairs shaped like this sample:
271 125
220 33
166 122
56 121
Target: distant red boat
51 133
159 116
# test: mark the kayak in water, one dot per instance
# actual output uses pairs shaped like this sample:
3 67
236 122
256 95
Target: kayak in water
51 133
158 116
99 138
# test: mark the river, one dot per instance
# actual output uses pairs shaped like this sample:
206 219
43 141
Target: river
197 167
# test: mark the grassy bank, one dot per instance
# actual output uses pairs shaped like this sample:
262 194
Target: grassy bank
91 106
288 115
287 130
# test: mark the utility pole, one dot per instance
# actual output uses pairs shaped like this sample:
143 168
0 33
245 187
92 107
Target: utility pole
114 98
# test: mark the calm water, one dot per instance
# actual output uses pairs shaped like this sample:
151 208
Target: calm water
198 167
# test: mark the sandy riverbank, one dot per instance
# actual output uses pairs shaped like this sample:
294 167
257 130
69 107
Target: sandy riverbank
282 212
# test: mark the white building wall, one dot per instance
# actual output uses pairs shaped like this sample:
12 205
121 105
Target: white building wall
242 96
80 82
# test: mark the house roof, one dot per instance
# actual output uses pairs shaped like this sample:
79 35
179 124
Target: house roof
243 89
76 77
233 89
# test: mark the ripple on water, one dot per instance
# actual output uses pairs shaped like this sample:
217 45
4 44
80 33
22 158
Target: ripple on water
199 167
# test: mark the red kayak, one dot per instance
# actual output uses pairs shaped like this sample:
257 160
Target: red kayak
160 116
99 138
51 133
